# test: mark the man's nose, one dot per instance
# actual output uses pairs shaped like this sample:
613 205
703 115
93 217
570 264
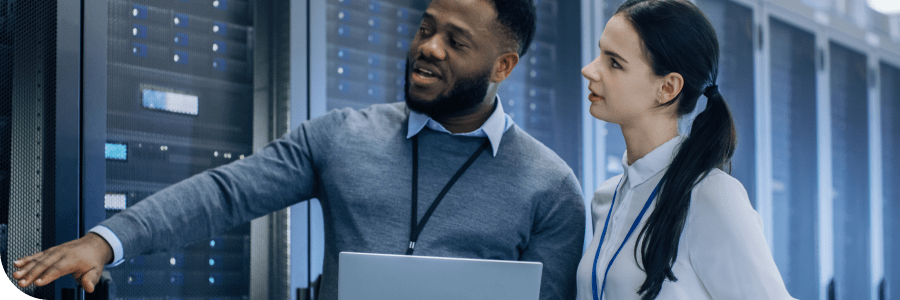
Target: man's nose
433 48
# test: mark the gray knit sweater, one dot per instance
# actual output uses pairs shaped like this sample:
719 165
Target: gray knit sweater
524 204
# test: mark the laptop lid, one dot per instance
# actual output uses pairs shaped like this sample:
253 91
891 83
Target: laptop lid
403 277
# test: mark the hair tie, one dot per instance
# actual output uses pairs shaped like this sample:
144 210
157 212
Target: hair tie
711 90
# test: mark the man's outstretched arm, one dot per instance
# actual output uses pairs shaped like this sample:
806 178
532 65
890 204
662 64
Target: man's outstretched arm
206 204
84 258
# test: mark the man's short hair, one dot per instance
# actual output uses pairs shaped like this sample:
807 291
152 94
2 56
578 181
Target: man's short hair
518 17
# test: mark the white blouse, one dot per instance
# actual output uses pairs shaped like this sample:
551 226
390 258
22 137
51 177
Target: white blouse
722 252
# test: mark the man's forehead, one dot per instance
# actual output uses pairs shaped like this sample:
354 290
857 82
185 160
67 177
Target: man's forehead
465 15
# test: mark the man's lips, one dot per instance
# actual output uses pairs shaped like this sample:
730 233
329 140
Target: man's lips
423 74
594 97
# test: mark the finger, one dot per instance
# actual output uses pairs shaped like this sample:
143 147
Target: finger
25 275
23 264
31 271
51 274
22 261
89 281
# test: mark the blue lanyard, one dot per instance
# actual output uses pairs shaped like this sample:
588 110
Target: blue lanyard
603 235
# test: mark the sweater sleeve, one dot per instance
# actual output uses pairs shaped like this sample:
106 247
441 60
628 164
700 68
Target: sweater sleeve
557 238
213 201
726 243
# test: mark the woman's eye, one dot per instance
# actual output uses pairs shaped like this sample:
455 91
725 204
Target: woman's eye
615 64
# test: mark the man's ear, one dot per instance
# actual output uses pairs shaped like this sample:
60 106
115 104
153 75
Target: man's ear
503 66
670 88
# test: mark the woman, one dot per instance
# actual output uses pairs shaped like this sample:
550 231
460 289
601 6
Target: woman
673 226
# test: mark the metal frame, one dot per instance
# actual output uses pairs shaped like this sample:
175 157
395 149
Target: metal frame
68 129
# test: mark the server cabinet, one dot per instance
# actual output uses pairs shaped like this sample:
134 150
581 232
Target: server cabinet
890 119
38 112
850 167
794 157
173 88
178 92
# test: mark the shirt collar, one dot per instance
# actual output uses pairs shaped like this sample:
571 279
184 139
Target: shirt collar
493 128
651 164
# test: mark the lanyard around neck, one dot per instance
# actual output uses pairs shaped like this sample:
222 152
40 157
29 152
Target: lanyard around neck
603 235
416 229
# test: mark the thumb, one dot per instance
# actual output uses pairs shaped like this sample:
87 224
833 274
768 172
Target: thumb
90 279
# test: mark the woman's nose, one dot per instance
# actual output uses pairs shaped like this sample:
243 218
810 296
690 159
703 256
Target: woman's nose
590 71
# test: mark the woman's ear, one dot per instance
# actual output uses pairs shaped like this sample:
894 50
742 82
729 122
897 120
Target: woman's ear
671 87
503 66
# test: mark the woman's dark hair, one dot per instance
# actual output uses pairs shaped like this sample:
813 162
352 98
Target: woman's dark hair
678 38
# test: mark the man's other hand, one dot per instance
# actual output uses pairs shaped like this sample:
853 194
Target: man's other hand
84 258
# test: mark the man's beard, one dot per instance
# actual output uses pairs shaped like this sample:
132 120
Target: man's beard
466 94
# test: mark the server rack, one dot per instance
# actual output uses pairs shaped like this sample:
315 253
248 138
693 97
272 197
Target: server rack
179 87
105 102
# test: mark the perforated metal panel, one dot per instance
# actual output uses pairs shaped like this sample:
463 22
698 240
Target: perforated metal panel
27 113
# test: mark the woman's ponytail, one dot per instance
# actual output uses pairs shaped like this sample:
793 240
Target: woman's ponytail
709 145
677 38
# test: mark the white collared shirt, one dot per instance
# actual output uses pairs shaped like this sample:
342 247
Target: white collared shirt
493 128
722 252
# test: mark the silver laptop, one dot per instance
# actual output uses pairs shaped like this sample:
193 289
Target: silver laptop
403 277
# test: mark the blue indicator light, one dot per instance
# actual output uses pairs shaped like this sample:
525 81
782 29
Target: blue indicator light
220 28
219 64
180 57
181 39
139 31
139 50
181 20
374 38
139 11
116 151
170 101
212 262
176 278
403 44
219 47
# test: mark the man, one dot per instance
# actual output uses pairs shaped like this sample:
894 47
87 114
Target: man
385 172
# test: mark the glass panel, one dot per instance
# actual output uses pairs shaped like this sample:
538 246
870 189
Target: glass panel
890 118
368 42
849 97
179 91
794 163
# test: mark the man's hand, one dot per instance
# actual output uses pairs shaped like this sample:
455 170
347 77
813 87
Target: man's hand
84 258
